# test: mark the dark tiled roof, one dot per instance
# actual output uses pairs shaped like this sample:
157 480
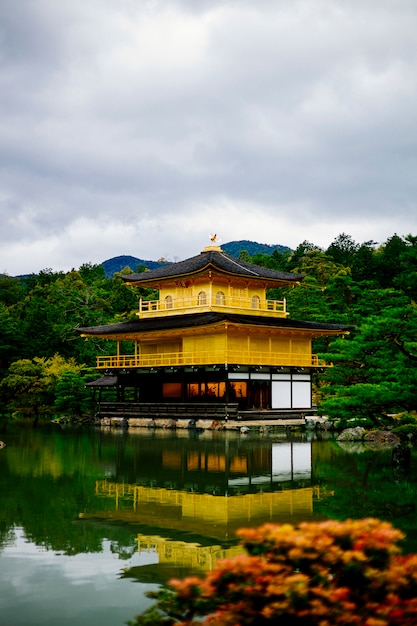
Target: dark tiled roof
174 322
212 259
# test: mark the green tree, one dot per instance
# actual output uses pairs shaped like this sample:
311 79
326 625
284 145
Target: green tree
244 256
389 257
295 259
374 373
71 396
27 387
10 338
92 274
343 250
406 277
11 290
52 309
35 386
276 261
364 265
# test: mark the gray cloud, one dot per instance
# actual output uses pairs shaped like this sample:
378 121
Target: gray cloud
139 128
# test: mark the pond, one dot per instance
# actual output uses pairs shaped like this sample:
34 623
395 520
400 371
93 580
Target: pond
92 520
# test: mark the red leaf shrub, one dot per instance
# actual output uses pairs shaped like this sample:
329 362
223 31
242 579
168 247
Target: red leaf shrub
316 574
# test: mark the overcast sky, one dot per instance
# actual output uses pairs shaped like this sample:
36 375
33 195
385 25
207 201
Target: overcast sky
141 127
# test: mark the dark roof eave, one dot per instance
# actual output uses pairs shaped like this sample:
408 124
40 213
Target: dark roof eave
202 319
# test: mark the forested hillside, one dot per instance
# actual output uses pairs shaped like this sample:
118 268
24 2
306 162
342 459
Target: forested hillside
371 287
118 263
235 248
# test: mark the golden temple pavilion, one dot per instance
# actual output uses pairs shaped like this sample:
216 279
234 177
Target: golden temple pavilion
212 340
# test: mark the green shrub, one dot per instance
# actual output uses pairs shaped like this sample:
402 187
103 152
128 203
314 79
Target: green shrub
407 418
406 432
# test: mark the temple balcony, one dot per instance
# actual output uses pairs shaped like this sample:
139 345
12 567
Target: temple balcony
209 358
202 304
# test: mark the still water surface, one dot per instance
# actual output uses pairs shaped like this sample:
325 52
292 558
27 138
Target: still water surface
90 521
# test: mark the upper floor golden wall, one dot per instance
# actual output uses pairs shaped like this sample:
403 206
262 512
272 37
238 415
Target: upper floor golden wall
207 294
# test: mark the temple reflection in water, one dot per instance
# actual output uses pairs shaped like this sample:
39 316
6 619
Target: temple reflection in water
188 496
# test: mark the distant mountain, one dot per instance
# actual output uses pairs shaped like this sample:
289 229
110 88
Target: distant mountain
118 263
234 248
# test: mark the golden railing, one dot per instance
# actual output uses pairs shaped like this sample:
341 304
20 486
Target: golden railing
194 304
237 357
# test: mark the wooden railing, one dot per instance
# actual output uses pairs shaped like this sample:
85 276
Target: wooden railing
237 357
173 409
174 306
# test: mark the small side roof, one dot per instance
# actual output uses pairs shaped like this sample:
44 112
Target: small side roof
214 259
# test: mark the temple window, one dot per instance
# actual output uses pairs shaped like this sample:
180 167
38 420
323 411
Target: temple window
256 302
202 297
220 298
168 302
238 390
207 390
172 390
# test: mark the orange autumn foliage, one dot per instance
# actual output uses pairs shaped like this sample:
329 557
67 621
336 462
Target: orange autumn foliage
316 574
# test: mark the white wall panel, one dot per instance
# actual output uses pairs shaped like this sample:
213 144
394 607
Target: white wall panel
301 395
281 394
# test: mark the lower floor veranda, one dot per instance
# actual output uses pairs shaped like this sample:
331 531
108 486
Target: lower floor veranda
249 387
